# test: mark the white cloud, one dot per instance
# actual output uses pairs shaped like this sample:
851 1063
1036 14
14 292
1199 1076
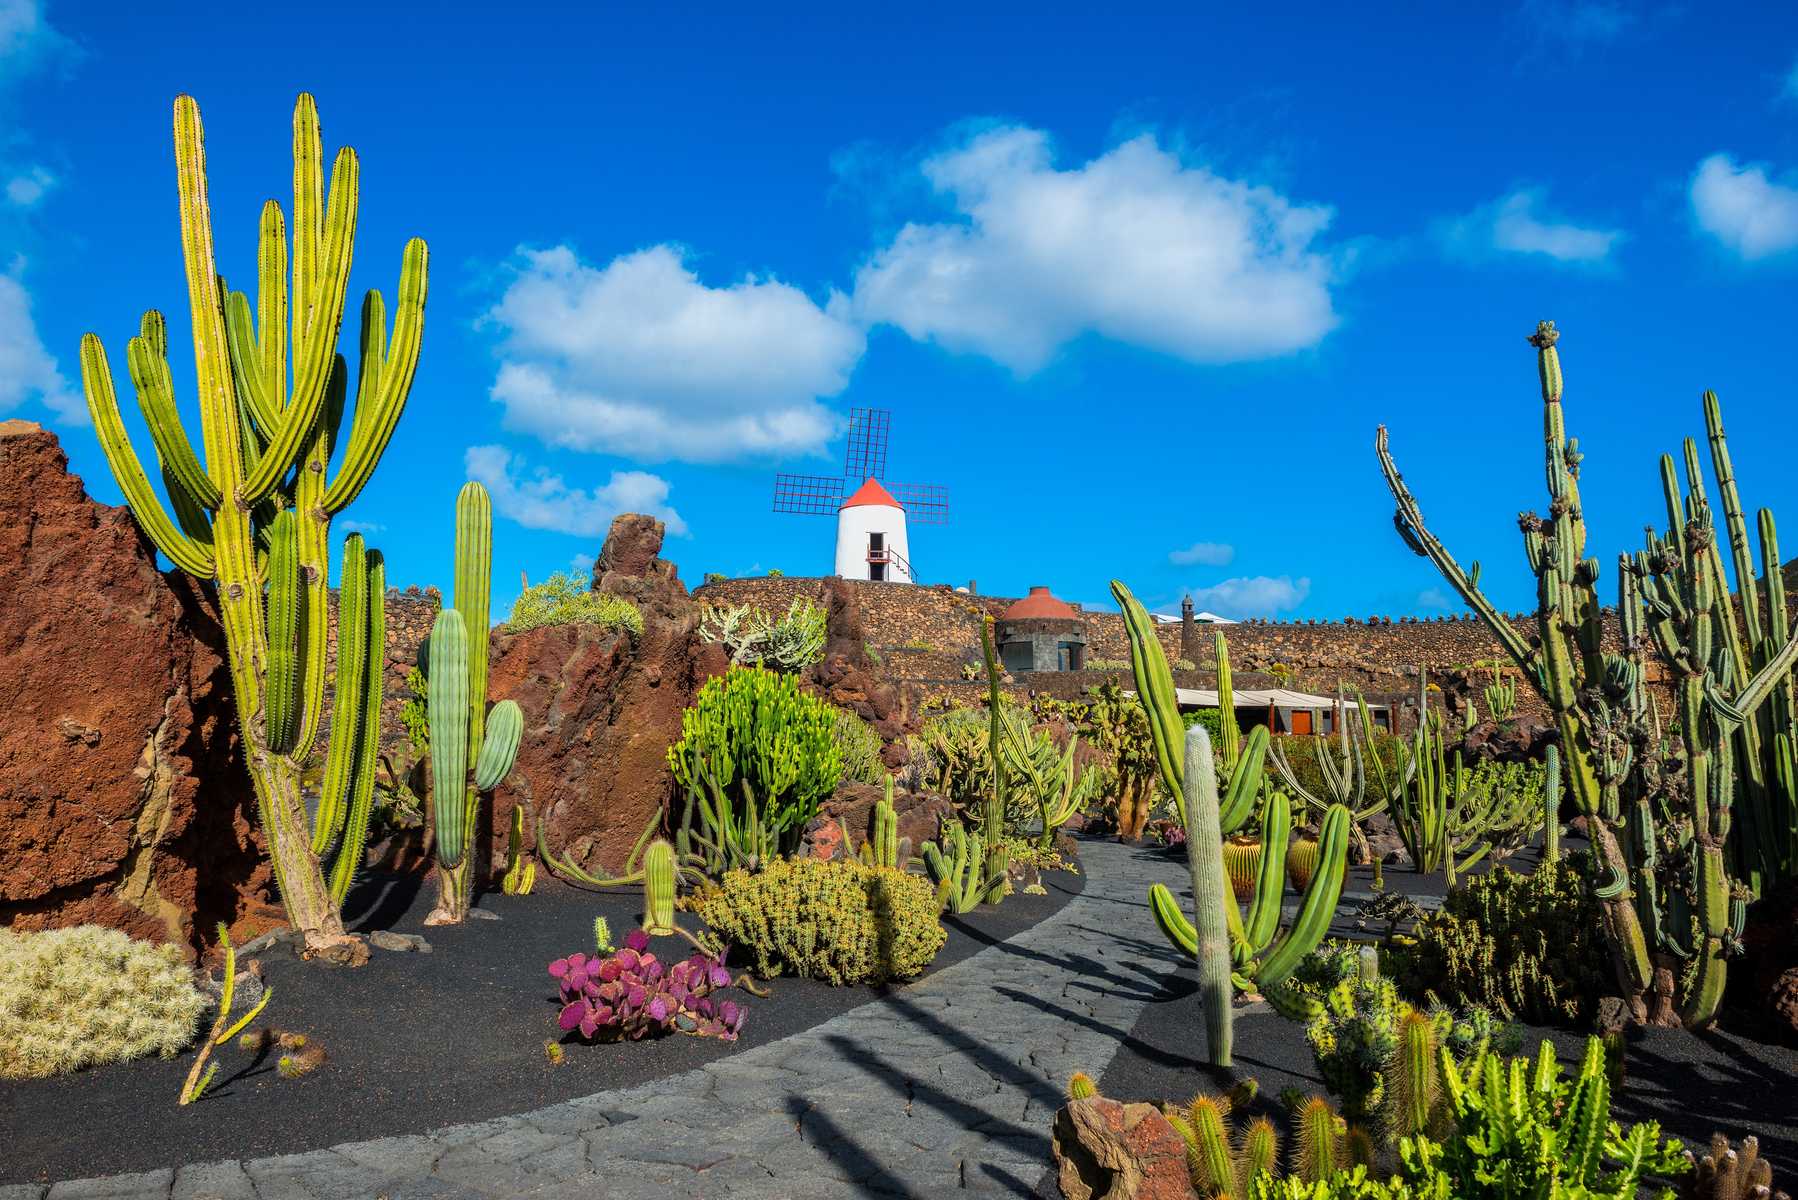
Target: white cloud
1136 246
541 500
1519 224
27 188
582 563
22 29
1252 595
1210 554
27 370
365 527
1742 208
1435 597
639 358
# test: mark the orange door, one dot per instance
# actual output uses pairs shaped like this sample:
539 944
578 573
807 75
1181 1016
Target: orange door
1301 720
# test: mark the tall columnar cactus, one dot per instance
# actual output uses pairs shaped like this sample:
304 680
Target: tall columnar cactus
254 518
1661 823
1212 901
658 888
992 822
456 702
884 847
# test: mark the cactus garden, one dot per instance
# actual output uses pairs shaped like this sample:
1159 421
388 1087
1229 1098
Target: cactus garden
383 814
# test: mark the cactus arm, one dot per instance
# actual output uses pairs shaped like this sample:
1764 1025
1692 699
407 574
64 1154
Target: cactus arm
361 782
1154 686
1244 778
315 551
499 747
1319 904
156 398
285 666
315 358
1263 919
1173 922
246 363
1410 523
473 591
347 711
271 302
189 553
1228 733
370 434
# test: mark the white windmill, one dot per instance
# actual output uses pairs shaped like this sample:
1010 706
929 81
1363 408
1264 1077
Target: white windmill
871 521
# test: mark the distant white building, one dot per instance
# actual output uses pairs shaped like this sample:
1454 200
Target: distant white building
871 542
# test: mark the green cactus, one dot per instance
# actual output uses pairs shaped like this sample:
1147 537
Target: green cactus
1256 1153
658 888
992 822
884 847
1501 697
1209 1155
1354 776
1551 806
1316 1145
456 703
1662 819
961 868
1413 1077
756 756
1059 790
1081 1086
255 517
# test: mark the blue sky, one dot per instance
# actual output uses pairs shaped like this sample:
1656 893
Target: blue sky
1137 288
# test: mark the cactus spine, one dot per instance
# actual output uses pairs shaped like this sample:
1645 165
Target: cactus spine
456 701
658 888
1315 1147
255 517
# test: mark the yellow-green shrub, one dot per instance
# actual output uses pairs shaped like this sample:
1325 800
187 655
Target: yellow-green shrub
74 998
837 921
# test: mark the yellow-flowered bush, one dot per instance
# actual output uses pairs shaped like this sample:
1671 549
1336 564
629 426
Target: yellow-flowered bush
837 921
74 998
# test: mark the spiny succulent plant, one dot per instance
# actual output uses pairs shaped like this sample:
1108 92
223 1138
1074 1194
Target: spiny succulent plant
835 920
75 998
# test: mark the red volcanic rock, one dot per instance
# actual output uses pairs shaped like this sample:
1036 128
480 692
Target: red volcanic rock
601 710
848 678
1105 1150
851 807
122 799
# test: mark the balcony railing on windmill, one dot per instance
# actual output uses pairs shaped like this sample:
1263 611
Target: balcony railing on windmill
891 558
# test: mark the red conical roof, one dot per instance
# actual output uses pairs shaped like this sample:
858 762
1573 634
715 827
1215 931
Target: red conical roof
871 493
1039 604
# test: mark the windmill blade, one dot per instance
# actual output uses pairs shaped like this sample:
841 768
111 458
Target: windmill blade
867 454
924 503
816 495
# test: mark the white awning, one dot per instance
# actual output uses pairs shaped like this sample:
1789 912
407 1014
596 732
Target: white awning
1261 698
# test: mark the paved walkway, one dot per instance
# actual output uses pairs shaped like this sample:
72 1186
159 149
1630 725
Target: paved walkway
948 1085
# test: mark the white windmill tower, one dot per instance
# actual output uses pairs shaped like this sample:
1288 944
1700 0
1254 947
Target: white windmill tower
871 521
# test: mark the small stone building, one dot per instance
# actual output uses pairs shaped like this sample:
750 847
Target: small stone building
1040 633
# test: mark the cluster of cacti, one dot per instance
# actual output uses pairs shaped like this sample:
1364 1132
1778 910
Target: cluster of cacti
832 920
80 997
756 756
860 747
1355 776
1254 953
1526 946
992 822
456 703
1449 816
1117 726
1501 697
224 1027
1049 775
568 598
521 871
1670 851
755 637
255 517
1725 1173
884 847
960 865
1219 1163
1544 1135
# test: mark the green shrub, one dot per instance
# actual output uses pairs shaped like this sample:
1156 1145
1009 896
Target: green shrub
1301 751
838 921
754 741
565 599
715 577
754 637
1107 664
74 998
1526 946
860 748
